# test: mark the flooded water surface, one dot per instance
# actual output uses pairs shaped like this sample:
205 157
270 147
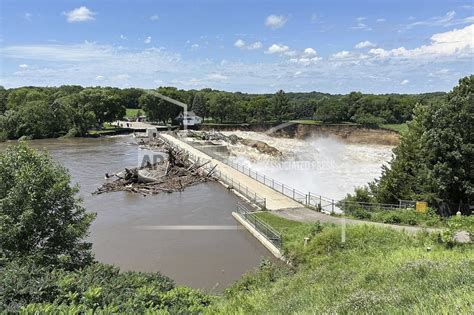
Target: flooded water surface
189 236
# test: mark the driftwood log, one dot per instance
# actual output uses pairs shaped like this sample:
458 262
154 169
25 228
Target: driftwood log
174 174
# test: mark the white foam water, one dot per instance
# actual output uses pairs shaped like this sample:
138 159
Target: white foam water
323 165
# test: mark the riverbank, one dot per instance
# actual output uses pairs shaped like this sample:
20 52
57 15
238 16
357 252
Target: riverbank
347 132
189 236
356 269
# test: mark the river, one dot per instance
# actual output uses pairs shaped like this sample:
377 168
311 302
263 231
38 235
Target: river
189 236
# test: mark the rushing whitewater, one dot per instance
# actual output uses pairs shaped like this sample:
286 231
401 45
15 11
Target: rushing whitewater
323 165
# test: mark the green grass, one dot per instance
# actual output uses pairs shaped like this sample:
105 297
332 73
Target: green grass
307 122
397 216
224 124
400 128
319 122
375 270
132 112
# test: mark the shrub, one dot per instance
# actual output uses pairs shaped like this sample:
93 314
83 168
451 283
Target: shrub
183 300
96 286
360 214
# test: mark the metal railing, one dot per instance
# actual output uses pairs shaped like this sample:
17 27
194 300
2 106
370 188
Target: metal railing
310 199
266 230
230 182
270 182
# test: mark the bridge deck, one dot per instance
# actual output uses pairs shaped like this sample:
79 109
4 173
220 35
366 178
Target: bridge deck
274 199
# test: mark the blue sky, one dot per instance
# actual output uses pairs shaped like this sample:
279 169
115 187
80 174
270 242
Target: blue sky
249 46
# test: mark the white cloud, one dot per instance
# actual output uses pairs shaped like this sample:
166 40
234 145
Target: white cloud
361 18
275 21
341 55
442 71
256 45
155 17
57 64
121 77
194 46
23 66
315 18
380 20
361 26
305 61
241 44
309 52
277 49
453 43
81 14
449 19
100 78
147 40
56 52
307 57
364 44
404 82
123 37
28 16
217 77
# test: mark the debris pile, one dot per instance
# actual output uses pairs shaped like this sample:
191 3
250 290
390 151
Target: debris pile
171 175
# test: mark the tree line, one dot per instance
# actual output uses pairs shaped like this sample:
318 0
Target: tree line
71 110
434 159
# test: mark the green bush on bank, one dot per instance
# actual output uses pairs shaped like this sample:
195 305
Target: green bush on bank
375 270
397 216
30 288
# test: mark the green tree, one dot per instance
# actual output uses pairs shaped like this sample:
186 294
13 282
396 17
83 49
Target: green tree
106 104
3 99
331 110
199 105
150 105
280 106
157 109
434 159
130 97
220 105
304 110
40 216
259 109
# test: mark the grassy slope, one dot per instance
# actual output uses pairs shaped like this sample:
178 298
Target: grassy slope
400 128
376 270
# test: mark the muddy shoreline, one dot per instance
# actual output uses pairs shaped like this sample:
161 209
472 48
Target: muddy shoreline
348 133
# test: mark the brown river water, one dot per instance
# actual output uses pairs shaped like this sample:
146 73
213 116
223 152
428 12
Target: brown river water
189 236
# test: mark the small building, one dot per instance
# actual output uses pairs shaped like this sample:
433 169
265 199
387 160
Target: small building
188 119
140 118
151 132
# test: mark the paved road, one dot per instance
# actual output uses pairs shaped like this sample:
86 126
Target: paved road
274 199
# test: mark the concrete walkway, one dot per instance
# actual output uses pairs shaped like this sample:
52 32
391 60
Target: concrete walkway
274 199
280 204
